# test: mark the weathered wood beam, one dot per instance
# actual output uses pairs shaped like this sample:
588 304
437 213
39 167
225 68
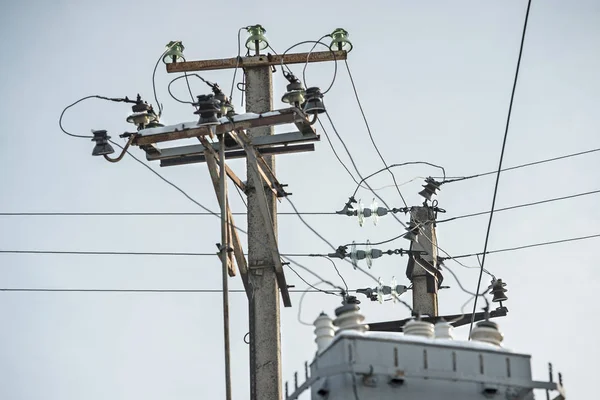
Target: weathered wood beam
256 61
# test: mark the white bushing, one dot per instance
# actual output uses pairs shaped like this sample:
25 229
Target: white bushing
487 331
418 328
324 331
350 318
443 330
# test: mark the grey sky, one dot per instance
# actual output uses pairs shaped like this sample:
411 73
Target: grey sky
435 80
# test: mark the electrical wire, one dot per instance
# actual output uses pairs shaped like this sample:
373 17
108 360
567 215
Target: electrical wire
136 253
186 76
535 203
331 213
175 186
77 290
388 168
152 214
313 230
244 200
160 106
336 270
79 101
107 253
314 285
371 134
305 281
512 97
315 42
358 172
527 246
335 152
237 63
529 164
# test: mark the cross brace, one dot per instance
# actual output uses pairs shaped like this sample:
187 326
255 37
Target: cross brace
234 239
261 172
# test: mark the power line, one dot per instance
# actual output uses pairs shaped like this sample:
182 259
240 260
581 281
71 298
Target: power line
529 164
358 172
115 214
129 253
335 152
371 134
527 246
522 205
77 290
512 97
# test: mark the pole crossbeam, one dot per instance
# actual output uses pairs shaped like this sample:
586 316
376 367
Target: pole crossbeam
150 136
256 61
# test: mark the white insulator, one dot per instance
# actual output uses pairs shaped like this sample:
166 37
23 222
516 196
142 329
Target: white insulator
419 328
487 331
324 331
350 318
443 330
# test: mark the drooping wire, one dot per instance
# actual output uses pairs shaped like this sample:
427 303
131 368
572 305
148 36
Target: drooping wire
79 101
358 172
316 275
388 168
160 106
512 97
371 134
274 52
336 270
186 76
316 43
314 285
335 152
237 63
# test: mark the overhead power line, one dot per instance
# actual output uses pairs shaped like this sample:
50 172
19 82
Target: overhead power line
527 246
287 255
115 214
529 164
128 253
78 290
535 203
362 112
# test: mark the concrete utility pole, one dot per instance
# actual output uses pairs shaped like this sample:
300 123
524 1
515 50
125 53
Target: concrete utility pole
422 270
262 274
265 339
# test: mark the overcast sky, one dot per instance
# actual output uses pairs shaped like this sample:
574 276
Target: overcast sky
434 78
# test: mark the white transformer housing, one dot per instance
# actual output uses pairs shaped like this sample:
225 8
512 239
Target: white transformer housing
363 365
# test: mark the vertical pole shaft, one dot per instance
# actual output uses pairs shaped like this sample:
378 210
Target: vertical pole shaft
224 260
424 284
265 339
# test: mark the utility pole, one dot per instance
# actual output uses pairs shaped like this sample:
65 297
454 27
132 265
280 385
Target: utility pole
263 304
422 269
253 138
